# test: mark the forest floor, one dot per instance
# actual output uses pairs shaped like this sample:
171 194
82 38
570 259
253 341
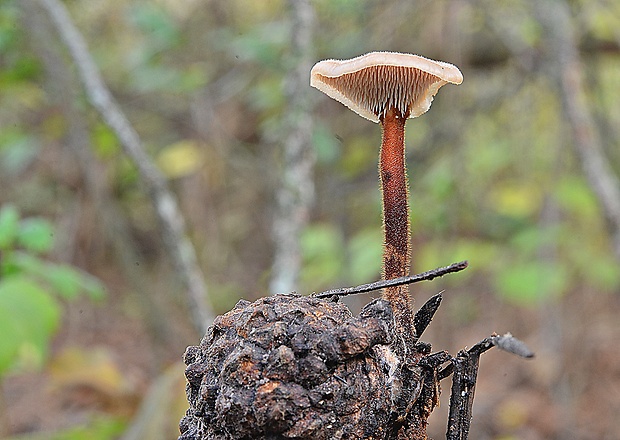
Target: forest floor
106 357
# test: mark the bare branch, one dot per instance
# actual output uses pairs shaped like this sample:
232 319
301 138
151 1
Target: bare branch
566 70
462 394
424 315
506 342
424 276
465 369
171 220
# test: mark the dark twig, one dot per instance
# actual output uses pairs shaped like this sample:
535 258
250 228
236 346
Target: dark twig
506 342
424 315
433 361
424 276
462 394
465 369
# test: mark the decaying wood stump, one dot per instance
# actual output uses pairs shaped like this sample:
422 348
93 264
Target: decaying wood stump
293 367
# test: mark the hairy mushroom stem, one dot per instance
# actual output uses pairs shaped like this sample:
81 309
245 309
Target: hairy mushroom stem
389 88
394 189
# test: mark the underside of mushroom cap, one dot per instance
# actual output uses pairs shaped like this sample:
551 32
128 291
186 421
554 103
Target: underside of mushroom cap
373 83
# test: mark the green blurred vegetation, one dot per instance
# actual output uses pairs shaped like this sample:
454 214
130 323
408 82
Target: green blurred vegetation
32 290
102 428
493 177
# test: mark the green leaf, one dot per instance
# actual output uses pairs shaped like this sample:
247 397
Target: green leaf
36 235
29 317
326 146
64 280
193 78
592 263
439 180
267 95
516 199
532 282
10 340
69 282
92 286
323 254
529 240
366 255
100 428
155 78
28 263
9 17
9 226
480 254
575 196
155 21
359 158
530 30
262 44
103 428
104 141
603 273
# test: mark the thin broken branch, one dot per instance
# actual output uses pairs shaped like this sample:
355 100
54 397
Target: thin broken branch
465 369
424 276
424 315
506 342
169 215
462 394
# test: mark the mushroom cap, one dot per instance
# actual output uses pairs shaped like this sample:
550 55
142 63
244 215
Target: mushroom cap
374 83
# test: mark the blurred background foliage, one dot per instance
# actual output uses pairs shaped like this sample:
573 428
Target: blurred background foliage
494 179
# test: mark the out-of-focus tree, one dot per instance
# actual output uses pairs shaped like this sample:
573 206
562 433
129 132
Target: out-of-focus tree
172 222
296 193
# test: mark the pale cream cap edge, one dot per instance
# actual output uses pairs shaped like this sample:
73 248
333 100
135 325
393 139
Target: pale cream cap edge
446 72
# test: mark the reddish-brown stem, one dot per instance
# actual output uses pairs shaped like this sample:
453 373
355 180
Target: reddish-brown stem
396 257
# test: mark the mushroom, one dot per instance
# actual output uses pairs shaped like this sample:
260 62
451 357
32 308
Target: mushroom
389 88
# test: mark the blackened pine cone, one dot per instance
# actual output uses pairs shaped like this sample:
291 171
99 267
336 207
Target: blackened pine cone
293 367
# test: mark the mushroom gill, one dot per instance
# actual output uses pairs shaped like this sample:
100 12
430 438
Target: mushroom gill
379 88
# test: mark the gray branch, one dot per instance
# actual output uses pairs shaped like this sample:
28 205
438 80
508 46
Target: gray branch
171 220
566 70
